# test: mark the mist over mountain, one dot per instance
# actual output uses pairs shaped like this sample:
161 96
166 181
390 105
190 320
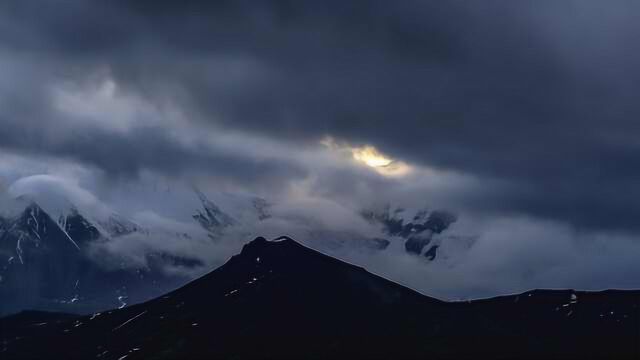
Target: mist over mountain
143 240
59 256
65 264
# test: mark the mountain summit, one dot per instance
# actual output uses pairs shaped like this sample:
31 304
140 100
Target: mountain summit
279 299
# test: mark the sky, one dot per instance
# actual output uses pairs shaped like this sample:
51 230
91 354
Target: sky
520 117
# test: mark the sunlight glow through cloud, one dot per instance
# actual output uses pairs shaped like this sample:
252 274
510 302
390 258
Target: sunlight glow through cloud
370 156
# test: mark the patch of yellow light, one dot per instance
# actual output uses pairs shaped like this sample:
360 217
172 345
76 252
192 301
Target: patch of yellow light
394 169
370 156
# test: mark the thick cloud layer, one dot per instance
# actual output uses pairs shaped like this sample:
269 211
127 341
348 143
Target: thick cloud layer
501 109
537 94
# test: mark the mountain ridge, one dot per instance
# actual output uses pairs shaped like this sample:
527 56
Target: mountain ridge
289 301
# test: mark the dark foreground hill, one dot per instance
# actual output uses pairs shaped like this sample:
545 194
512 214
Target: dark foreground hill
279 300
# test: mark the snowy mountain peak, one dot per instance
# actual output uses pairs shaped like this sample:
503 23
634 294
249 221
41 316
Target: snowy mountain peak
78 227
210 217
416 230
32 231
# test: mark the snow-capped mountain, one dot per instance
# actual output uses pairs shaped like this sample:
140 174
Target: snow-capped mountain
46 265
418 231
40 260
211 218
64 261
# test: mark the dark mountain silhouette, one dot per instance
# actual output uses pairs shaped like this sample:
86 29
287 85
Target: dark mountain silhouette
281 300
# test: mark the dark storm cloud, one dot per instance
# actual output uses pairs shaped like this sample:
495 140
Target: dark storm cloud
125 155
539 95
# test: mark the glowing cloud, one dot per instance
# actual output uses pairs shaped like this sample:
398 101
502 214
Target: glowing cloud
370 156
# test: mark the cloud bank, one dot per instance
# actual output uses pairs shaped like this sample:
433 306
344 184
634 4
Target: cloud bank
518 117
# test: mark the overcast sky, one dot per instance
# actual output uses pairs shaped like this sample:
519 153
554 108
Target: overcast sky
521 116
